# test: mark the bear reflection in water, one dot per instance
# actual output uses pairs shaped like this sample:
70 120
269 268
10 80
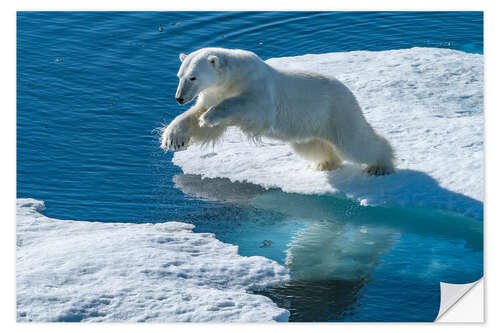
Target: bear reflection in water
331 245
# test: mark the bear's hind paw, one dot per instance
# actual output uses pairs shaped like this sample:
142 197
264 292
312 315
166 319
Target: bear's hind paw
325 166
377 170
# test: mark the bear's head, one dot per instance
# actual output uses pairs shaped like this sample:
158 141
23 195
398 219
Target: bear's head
199 71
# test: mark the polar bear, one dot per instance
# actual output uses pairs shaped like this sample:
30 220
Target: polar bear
317 115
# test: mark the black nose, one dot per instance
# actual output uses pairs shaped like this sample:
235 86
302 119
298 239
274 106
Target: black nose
179 100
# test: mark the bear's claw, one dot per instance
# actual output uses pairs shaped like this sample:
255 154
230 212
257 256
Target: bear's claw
175 136
377 170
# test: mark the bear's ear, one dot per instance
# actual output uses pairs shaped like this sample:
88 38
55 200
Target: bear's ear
214 60
182 56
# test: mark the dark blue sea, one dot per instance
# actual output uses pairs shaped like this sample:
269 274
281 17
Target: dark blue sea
92 87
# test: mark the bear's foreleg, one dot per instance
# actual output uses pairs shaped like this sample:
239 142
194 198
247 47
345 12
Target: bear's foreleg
177 134
185 129
229 112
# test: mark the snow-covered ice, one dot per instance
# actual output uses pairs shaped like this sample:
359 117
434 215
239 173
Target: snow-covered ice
94 271
427 101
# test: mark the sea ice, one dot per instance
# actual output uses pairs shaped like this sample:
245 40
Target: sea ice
427 101
94 271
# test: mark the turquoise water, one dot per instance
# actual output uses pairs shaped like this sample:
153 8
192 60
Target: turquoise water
92 87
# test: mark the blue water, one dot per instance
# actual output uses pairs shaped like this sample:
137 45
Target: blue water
92 87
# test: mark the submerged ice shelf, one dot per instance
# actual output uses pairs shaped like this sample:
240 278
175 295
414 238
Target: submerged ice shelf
93 271
427 101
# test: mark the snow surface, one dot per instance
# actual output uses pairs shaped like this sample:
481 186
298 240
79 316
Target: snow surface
427 101
94 271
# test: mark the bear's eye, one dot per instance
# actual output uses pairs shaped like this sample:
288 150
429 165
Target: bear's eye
192 78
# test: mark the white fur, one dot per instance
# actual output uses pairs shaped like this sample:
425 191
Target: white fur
317 115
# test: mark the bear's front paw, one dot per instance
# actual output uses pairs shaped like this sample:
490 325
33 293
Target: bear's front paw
175 136
212 117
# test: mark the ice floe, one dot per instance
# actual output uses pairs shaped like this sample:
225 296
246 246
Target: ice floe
163 272
427 101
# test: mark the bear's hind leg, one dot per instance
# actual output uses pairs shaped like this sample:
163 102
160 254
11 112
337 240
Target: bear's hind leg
367 147
321 153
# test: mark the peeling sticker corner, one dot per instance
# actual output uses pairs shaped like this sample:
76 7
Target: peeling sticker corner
451 295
